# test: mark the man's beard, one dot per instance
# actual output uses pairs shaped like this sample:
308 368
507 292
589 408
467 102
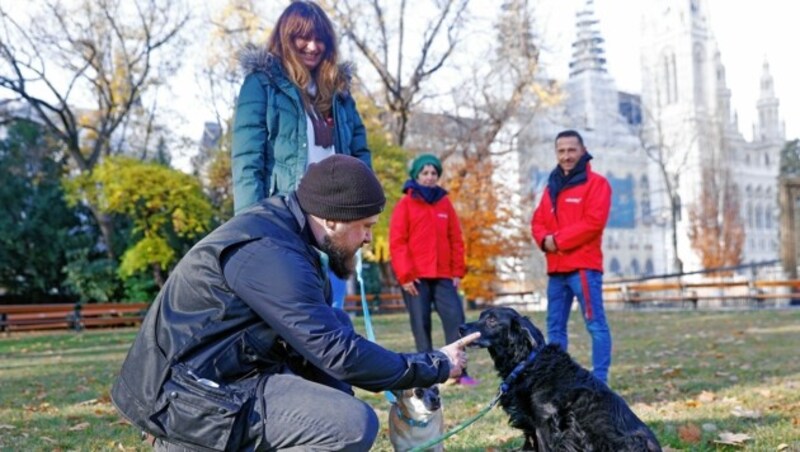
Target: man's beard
342 262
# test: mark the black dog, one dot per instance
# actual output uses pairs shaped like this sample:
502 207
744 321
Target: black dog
558 404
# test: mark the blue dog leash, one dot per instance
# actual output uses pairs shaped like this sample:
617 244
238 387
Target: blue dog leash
367 317
517 370
506 383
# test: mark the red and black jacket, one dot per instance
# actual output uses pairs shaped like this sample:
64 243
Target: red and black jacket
576 219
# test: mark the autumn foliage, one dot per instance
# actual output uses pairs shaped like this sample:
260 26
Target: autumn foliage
715 230
493 235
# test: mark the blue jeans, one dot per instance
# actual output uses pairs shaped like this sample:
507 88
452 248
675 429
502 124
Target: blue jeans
587 286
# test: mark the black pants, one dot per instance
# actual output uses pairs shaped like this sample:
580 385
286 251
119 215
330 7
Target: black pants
298 414
441 294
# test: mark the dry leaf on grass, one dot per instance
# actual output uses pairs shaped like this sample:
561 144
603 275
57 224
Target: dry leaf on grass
81 426
690 433
672 372
747 414
782 446
6 427
706 397
733 439
48 439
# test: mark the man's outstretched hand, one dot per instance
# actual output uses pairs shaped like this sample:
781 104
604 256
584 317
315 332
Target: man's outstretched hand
456 354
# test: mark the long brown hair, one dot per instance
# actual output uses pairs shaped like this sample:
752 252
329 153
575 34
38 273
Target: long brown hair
305 19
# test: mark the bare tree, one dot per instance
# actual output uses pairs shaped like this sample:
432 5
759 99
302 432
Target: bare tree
380 34
229 30
477 141
670 155
83 69
232 27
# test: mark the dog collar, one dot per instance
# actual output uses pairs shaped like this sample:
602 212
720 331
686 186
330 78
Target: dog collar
409 421
517 370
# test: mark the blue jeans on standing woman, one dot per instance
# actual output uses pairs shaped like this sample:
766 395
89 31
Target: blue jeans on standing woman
587 286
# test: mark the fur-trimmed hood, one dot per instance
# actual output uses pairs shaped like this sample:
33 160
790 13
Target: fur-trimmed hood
255 58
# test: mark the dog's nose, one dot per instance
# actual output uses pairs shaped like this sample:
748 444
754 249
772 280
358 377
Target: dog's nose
462 329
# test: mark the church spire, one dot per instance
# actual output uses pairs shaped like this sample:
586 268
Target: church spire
588 53
769 127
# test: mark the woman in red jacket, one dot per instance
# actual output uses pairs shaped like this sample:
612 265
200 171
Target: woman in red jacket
428 254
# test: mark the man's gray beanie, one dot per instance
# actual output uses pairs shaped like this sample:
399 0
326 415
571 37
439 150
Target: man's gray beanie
340 188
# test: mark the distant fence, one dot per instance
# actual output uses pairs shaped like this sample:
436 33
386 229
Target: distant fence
709 294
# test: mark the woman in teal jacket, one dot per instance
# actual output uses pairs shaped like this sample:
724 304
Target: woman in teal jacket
294 107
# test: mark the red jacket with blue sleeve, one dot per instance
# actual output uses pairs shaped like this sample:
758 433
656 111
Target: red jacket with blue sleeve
576 221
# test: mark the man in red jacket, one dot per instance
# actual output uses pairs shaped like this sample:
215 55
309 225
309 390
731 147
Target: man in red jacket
568 226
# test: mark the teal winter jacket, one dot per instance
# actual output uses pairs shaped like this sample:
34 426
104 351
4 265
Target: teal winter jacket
270 139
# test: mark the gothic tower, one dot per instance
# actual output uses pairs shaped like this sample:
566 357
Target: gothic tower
592 101
681 101
768 127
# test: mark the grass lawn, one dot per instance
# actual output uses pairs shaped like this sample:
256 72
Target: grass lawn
694 377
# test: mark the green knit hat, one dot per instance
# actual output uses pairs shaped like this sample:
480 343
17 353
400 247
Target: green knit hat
421 161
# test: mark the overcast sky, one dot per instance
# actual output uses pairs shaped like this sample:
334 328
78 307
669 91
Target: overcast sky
746 31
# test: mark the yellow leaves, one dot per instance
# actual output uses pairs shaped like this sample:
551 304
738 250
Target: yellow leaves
148 251
692 403
548 95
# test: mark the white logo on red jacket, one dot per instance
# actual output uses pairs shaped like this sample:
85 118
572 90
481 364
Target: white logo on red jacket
441 215
573 200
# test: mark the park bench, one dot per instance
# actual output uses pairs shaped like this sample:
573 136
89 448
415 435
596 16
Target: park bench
73 316
692 293
378 303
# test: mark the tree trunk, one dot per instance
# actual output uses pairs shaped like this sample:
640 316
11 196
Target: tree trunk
158 276
105 223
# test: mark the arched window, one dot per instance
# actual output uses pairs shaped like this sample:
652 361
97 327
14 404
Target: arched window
615 267
635 267
767 218
759 217
699 73
750 220
648 267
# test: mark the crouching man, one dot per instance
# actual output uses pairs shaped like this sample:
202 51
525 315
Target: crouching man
241 350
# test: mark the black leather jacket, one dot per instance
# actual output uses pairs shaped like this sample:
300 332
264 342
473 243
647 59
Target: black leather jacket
194 371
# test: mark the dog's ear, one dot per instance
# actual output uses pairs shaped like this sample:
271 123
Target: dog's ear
527 328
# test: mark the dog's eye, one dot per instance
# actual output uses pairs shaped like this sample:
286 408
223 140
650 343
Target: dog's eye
418 392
